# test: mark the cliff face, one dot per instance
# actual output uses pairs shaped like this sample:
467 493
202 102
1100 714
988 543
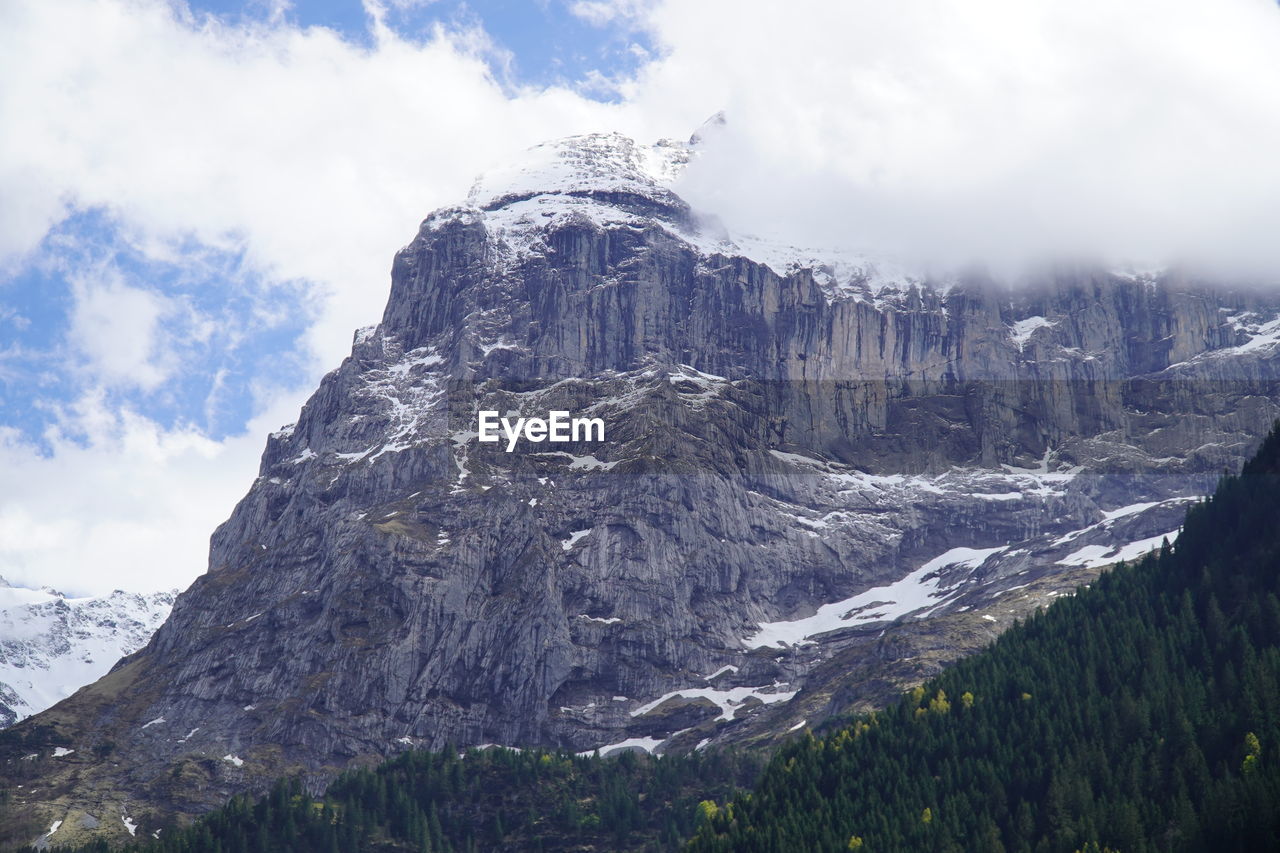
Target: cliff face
819 482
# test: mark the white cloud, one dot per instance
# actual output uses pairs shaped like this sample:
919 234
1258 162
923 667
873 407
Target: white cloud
401 5
1144 129
115 327
602 13
120 502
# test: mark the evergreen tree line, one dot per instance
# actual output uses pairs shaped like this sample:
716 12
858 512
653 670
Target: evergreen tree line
480 800
1142 714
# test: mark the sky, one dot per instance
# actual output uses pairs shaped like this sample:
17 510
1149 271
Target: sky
199 202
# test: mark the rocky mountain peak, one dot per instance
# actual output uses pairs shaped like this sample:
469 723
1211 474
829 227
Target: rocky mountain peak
596 165
820 481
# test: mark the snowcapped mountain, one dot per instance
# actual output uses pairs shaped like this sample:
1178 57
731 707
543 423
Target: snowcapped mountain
823 478
51 645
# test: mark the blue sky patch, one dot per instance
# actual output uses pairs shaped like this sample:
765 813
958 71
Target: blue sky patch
221 333
542 42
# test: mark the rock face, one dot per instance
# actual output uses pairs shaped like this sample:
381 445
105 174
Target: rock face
820 480
51 645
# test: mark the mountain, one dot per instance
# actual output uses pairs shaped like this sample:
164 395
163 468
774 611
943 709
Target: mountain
1141 715
51 645
823 478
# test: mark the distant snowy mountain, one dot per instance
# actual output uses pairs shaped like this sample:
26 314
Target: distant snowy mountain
51 645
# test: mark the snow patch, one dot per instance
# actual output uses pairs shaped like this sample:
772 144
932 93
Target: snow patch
500 343
574 537
728 700
1096 556
1131 509
484 746
648 744
579 463
588 463
236 760
1022 331
915 592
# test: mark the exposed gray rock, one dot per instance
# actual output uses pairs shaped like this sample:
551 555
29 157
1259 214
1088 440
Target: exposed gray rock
798 453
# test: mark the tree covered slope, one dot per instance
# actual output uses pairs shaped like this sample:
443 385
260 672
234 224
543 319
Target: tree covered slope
480 800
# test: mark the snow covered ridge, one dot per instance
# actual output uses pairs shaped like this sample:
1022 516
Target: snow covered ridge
610 181
595 163
51 645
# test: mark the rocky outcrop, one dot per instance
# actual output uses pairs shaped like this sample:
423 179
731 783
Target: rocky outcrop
818 480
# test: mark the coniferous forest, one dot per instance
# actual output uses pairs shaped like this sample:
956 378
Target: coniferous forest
1142 714
480 800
